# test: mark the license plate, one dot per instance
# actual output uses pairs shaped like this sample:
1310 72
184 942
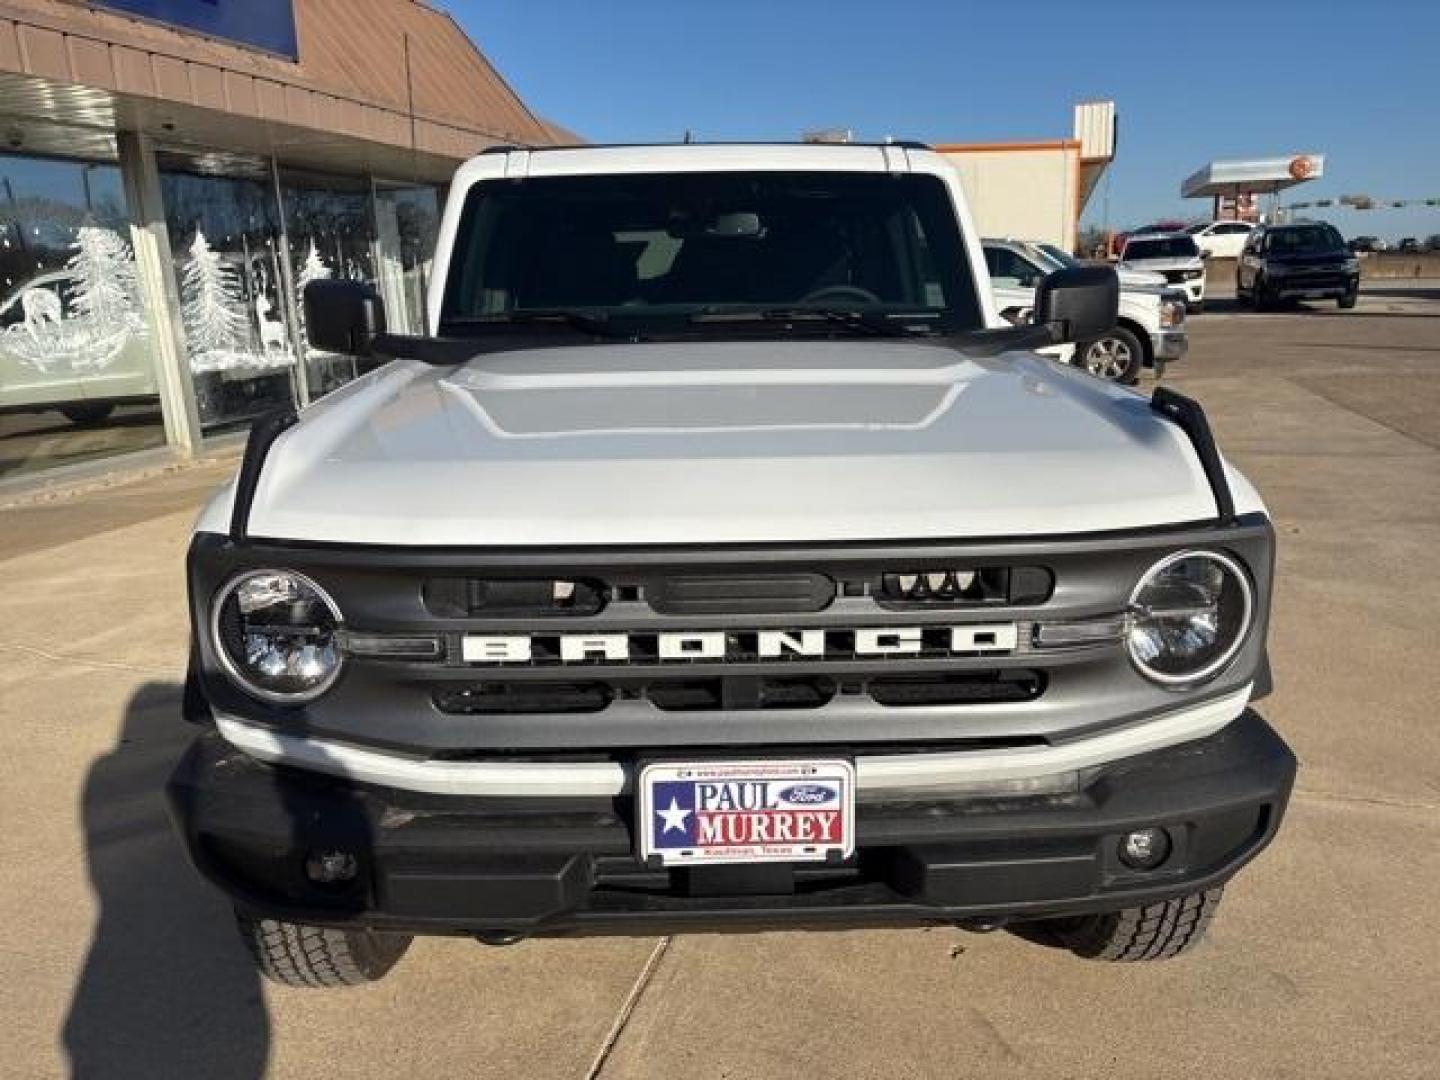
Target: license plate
704 813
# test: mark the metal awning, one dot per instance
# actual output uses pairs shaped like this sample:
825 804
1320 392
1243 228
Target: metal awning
1253 176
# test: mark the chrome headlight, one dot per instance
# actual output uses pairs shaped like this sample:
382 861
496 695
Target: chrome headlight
1189 616
277 635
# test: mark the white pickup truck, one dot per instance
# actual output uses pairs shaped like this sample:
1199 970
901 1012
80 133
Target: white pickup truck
1149 329
726 561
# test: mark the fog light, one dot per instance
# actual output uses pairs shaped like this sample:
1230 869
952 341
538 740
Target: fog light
1144 849
331 867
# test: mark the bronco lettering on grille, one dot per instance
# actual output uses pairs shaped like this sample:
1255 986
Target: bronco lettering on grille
881 641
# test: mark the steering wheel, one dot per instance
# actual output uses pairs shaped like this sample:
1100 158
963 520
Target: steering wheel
841 292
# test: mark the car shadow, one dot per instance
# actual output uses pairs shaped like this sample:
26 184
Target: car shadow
167 989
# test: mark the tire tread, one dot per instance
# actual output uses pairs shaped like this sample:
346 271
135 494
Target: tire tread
1152 932
294 954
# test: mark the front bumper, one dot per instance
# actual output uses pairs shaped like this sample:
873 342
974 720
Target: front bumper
1170 345
433 864
1314 286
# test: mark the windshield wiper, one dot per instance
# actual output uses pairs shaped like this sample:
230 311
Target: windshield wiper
878 323
597 323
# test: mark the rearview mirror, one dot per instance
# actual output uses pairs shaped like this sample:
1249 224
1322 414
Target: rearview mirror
1078 303
343 317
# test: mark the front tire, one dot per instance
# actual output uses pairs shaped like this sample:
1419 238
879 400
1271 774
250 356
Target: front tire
1260 295
294 954
1151 932
1346 302
1116 356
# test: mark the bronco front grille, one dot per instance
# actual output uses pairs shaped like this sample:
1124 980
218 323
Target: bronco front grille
576 650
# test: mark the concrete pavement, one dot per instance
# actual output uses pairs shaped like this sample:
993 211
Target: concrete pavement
115 960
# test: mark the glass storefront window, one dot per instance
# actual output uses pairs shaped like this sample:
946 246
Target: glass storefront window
407 219
329 227
225 239
77 376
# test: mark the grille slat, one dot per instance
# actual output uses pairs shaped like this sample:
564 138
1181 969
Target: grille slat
714 694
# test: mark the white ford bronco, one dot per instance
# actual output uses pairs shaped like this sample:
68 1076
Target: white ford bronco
724 561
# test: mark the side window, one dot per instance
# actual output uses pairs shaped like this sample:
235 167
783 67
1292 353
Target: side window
1009 270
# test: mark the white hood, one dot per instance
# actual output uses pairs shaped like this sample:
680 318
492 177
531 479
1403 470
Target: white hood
1184 262
1138 279
724 442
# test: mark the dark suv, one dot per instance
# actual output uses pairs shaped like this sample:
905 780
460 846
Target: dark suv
1304 261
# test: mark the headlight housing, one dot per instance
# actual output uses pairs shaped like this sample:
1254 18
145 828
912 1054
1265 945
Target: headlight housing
1189 615
277 635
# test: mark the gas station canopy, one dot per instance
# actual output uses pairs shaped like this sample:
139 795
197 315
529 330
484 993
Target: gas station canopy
1221 179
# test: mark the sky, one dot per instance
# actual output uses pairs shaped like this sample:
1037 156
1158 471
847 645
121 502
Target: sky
1192 82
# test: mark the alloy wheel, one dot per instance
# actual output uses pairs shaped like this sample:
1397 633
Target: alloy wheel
1109 358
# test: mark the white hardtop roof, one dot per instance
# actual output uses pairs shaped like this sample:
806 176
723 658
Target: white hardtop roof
702 157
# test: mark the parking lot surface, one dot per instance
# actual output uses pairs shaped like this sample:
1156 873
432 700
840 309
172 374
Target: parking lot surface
116 961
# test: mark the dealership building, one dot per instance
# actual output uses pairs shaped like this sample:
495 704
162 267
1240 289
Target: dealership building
174 172
1037 189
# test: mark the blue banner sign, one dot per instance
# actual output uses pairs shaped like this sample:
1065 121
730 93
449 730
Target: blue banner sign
261 24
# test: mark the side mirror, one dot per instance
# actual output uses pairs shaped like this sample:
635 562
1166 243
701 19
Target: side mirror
1078 302
343 317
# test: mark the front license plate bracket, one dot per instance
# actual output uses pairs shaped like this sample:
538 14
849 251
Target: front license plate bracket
713 813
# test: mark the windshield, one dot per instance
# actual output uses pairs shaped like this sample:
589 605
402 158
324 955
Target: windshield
1058 256
657 245
1305 238
1169 247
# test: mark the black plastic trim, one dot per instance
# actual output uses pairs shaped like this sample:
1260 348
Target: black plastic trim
759 552
1190 416
455 865
263 434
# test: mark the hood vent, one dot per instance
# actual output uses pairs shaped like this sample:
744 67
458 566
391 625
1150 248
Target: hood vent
1009 585
505 598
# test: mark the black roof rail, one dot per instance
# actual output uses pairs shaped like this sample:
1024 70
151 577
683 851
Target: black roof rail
263 434
1188 414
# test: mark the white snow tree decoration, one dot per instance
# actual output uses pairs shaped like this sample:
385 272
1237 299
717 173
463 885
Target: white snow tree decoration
103 315
106 285
216 323
313 268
